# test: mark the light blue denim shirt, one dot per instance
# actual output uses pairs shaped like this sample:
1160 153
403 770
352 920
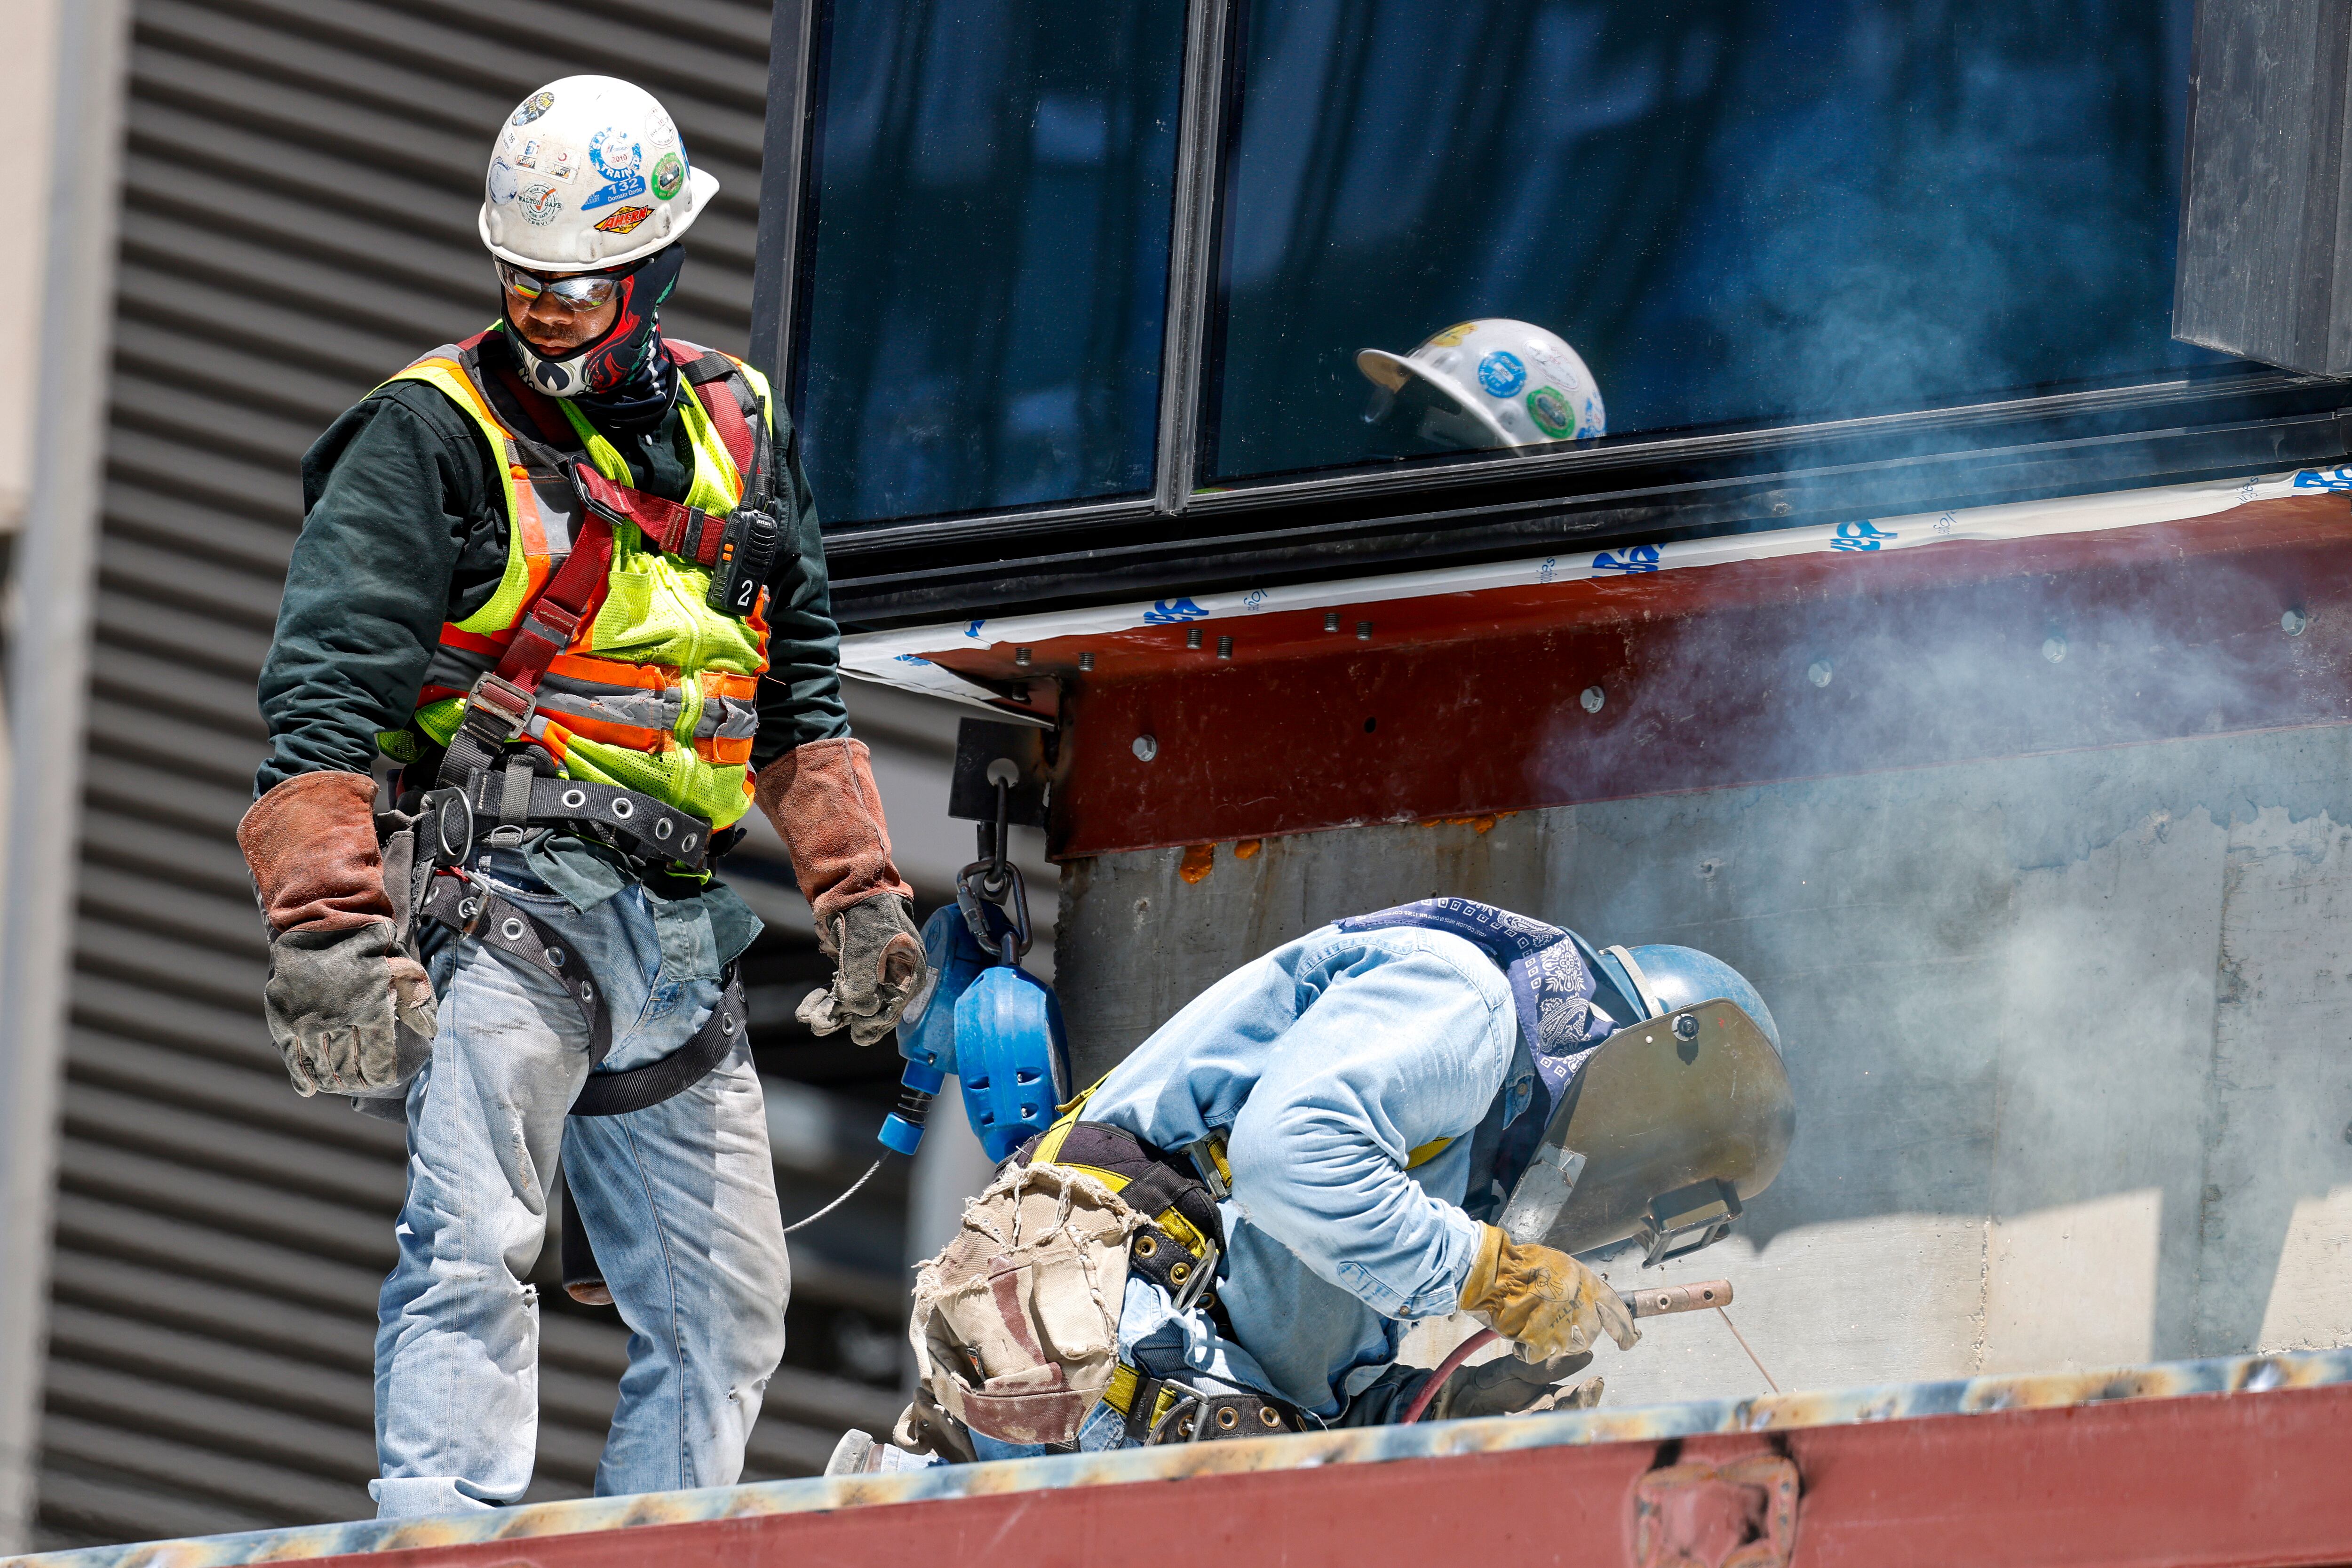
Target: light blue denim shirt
1326 1063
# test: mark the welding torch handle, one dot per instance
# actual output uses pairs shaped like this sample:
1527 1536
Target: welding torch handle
1665 1299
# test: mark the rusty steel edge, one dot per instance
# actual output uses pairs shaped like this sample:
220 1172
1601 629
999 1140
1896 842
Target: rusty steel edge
1766 1413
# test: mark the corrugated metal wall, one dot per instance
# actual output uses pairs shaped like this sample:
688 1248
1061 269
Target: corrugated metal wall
300 185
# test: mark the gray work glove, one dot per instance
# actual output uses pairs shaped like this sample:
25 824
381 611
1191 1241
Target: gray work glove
1509 1387
878 968
351 1012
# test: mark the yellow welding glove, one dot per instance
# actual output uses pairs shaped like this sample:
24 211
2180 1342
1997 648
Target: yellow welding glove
1545 1300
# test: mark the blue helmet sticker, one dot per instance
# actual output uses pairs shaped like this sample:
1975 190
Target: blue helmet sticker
1501 373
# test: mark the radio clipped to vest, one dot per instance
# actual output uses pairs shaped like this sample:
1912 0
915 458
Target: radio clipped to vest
747 554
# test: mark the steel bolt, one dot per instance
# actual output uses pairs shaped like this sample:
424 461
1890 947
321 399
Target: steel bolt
2054 648
1330 620
1225 648
1686 1027
1146 747
1593 699
1363 631
1819 673
1191 637
1086 661
2294 622
1021 657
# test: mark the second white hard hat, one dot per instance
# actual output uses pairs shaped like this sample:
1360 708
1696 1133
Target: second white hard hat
589 173
1501 383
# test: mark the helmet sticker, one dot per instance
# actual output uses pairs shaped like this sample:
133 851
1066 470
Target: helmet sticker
618 159
661 131
500 187
1452 335
556 159
669 177
625 220
1549 407
534 106
1502 375
539 202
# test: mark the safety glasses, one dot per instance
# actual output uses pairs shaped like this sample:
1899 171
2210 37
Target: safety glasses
581 292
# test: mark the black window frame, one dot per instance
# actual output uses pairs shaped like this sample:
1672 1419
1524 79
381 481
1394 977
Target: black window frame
2227 421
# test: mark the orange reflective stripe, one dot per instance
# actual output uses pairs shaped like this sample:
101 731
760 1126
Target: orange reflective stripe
724 753
632 737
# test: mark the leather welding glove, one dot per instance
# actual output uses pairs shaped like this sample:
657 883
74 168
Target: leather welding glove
822 799
352 1013
878 967
1509 1387
1545 1300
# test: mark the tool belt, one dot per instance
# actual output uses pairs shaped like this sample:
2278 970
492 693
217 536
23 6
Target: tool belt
1177 1248
1162 1410
426 851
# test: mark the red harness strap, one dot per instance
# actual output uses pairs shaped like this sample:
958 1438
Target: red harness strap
502 701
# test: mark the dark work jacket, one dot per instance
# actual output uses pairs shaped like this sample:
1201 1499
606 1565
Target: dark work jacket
404 527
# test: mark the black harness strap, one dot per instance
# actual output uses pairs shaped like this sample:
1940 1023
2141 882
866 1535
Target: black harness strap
471 910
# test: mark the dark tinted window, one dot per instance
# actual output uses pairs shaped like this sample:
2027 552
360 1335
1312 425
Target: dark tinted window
991 255
1741 211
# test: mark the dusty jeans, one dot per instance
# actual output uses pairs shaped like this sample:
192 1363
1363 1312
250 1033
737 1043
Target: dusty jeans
678 1200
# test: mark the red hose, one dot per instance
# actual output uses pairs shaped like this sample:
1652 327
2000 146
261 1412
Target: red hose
1445 1369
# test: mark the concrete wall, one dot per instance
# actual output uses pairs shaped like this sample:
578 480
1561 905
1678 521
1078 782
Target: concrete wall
2071 1035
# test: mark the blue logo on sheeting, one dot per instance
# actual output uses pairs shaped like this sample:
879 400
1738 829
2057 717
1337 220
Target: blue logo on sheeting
1860 536
1641 558
973 630
911 658
1502 373
1166 612
2323 479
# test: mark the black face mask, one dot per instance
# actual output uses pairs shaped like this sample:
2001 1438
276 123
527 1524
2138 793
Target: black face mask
623 379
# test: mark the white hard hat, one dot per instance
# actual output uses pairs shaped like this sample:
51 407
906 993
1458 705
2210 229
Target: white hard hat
1499 383
589 173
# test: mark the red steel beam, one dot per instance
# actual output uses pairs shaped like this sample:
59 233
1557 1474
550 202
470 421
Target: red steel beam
1472 704
2244 1480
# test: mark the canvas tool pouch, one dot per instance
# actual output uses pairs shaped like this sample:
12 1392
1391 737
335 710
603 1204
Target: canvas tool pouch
1015 1325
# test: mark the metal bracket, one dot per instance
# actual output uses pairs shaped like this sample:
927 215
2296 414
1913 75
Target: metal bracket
981 745
1739 1515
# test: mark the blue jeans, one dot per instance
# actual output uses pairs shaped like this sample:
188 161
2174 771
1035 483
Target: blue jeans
679 1201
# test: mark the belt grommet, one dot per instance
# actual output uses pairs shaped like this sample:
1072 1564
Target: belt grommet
469 908
574 799
686 842
1145 1247
1184 1428
587 991
1228 1419
726 1024
511 929
555 956
1269 1416
664 828
623 807
1180 1272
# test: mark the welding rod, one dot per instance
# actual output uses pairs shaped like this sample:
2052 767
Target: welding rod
1665 1299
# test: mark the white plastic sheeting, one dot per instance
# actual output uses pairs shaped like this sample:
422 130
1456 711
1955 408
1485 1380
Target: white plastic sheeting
904 657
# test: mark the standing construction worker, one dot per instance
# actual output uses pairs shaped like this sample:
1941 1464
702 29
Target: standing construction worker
1226 1236
567 573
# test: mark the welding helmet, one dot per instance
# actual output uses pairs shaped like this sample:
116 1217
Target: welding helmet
1672 1123
1490 382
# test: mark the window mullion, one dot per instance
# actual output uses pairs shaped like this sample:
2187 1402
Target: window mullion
784 174
1192 252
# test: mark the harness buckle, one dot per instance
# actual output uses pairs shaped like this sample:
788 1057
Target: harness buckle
511 703
446 809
